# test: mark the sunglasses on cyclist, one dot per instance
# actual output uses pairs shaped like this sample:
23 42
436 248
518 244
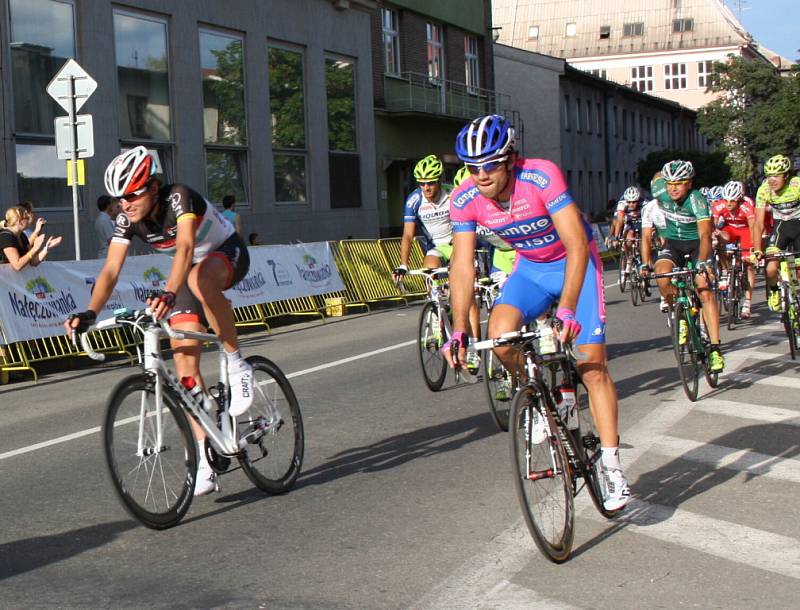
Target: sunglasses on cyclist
427 182
678 182
488 166
134 194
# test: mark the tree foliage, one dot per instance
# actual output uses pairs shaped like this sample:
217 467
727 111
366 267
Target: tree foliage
710 168
756 116
228 90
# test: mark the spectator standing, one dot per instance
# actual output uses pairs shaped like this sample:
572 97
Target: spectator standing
254 239
229 203
104 223
36 223
15 248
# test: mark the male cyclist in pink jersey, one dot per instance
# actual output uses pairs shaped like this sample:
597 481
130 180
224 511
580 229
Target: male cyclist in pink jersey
527 203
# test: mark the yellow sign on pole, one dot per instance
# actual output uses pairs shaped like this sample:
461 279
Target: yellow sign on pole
81 173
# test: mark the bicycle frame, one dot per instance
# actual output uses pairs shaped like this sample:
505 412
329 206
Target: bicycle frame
224 439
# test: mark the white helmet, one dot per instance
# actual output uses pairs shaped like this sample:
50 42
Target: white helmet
733 191
631 194
674 171
129 172
715 192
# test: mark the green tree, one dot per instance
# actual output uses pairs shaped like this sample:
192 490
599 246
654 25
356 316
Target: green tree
756 116
710 168
286 98
228 89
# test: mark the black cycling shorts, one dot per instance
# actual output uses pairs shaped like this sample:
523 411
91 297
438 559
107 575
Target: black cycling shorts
233 252
786 235
676 250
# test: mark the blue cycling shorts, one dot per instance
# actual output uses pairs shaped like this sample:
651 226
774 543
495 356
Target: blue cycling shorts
533 287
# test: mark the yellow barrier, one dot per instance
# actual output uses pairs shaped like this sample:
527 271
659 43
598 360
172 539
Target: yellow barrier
300 306
370 273
414 284
251 315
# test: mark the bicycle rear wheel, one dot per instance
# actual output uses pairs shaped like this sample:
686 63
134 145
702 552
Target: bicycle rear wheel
734 296
587 442
499 387
542 478
152 468
273 429
430 339
685 351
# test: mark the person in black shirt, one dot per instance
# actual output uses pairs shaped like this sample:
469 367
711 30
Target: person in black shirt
15 249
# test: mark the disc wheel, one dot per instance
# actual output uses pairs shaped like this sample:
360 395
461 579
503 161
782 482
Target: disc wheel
542 478
686 350
272 430
151 457
430 340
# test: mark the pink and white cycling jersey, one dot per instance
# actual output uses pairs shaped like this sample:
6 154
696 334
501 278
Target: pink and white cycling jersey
538 192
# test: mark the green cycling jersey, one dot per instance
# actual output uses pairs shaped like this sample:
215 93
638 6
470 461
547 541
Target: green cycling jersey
785 203
679 219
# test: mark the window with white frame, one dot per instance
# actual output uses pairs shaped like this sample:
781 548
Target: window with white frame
704 71
435 52
633 29
533 32
599 73
642 78
682 25
571 30
675 76
471 64
391 42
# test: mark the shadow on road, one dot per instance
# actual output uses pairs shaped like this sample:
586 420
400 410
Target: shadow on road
29 554
402 448
659 493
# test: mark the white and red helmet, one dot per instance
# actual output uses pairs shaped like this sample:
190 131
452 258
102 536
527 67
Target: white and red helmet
129 172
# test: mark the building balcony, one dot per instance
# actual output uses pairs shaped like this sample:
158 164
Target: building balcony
412 92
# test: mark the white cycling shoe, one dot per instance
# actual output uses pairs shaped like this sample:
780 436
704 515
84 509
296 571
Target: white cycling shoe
240 378
206 480
617 493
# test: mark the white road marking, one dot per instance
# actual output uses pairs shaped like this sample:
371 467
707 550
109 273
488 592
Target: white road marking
743 460
781 381
731 541
746 410
314 369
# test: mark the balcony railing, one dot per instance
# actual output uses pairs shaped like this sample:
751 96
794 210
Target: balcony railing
415 92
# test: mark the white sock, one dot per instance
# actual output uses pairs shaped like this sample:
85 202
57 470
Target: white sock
201 455
610 457
234 358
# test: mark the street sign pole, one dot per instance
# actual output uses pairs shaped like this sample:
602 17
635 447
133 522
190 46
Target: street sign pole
74 168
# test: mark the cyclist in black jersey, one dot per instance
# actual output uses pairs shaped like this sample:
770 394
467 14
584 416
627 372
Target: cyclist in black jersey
208 258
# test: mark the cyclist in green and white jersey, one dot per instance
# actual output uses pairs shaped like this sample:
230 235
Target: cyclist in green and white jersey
781 192
683 219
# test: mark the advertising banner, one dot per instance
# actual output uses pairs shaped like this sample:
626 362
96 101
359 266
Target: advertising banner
35 301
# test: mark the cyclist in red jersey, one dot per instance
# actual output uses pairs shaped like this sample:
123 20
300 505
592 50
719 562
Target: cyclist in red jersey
734 219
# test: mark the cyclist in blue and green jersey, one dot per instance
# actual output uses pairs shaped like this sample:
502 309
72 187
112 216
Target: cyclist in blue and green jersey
683 220
781 192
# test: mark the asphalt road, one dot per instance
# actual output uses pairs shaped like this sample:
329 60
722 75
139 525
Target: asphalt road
406 498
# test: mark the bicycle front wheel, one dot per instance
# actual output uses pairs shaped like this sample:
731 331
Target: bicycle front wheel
431 338
541 475
273 430
734 288
151 457
634 288
684 343
790 322
499 386
623 263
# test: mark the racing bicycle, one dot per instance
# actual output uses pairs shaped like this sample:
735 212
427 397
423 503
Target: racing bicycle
555 448
149 447
690 341
790 299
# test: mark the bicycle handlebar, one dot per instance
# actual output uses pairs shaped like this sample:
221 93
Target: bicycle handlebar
517 336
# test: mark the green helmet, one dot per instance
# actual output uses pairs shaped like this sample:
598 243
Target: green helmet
777 165
460 175
428 169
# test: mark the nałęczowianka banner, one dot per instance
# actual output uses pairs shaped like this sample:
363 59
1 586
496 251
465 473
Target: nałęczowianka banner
35 302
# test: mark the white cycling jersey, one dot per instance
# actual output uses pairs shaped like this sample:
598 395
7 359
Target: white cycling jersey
434 216
653 216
